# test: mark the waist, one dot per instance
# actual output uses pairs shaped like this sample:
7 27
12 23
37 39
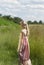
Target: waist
25 38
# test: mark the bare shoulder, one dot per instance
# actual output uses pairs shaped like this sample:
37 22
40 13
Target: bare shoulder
24 30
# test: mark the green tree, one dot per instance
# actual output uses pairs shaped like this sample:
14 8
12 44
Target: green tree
40 22
6 16
35 22
17 20
29 22
0 15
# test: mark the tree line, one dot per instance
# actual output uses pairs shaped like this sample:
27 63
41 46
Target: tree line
17 19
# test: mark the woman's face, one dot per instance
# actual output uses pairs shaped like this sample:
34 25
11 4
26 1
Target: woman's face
23 25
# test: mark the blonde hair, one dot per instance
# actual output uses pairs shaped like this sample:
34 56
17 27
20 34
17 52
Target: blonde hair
27 28
25 25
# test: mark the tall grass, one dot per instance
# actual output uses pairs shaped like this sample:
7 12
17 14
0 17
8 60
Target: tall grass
37 44
9 37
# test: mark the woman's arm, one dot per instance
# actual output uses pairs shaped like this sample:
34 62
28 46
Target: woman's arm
20 40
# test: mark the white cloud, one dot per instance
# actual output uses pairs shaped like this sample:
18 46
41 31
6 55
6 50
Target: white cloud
38 0
35 6
23 8
10 1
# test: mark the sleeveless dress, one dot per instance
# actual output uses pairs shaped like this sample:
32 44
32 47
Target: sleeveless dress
25 48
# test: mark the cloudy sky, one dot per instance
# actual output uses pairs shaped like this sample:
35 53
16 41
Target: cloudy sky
26 9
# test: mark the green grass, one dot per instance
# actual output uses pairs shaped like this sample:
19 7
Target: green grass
9 36
37 44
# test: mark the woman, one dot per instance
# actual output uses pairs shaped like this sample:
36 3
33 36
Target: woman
23 46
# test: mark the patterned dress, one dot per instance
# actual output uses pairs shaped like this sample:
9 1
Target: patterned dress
25 48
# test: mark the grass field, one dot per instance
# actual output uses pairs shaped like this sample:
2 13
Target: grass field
9 36
37 44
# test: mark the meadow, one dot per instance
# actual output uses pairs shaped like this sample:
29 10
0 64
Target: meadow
9 37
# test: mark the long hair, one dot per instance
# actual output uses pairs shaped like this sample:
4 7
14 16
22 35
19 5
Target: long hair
25 25
27 28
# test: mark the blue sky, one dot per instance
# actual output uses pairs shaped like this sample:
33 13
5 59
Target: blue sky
25 9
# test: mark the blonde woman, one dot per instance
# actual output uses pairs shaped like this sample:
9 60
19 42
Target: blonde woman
23 46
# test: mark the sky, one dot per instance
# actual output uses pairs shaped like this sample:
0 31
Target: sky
25 9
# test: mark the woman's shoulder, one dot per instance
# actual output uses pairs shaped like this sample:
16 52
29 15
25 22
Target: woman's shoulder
23 31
